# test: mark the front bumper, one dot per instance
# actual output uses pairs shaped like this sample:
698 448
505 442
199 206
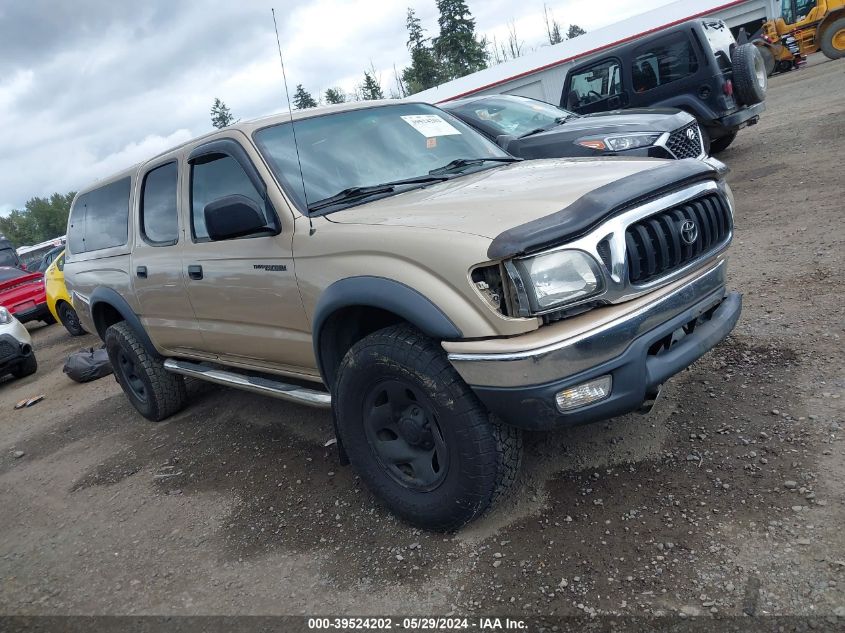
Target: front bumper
14 347
640 350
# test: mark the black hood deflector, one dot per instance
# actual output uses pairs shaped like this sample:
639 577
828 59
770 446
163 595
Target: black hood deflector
593 208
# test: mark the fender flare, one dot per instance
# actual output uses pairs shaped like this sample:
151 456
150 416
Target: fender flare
386 294
110 297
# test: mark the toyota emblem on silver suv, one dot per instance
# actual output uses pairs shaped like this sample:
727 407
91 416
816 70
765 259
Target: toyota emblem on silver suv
690 134
689 232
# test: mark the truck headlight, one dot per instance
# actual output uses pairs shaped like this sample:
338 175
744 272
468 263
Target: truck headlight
5 317
557 278
620 142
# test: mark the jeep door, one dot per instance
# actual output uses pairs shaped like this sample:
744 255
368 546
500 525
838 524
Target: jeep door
156 260
243 288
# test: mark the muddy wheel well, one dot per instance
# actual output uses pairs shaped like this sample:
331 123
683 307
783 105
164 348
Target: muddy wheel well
343 329
105 315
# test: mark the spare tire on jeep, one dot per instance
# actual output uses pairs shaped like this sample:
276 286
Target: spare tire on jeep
749 74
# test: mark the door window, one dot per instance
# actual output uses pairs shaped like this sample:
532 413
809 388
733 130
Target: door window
159 211
594 84
663 62
215 177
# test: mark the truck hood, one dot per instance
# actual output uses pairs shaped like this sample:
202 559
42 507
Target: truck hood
494 200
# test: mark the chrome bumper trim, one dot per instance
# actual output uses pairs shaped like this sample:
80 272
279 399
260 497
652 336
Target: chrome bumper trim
578 353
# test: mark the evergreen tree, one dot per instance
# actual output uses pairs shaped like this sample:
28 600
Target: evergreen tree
221 116
302 98
423 71
552 27
335 95
371 88
574 31
457 50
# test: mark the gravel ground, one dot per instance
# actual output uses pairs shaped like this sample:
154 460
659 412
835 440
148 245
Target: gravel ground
726 499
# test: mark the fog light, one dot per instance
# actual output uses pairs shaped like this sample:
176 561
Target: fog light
584 394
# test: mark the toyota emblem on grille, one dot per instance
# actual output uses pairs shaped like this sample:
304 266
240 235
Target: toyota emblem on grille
690 134
689 232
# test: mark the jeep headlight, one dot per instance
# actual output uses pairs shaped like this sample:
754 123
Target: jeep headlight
620 142
554 279
5 316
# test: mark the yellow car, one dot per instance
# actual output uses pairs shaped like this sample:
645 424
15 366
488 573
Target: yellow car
58 300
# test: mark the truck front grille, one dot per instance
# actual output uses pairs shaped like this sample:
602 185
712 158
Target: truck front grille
685 142
663 242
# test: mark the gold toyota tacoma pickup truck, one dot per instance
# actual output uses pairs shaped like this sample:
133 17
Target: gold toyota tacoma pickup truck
385 260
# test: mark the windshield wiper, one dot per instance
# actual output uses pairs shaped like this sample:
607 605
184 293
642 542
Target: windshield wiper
352 194
558 121
459 164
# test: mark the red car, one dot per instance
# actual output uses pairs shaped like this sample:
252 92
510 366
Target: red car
22 294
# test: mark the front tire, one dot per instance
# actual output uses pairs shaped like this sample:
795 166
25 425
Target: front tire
69 318
154 392
417 434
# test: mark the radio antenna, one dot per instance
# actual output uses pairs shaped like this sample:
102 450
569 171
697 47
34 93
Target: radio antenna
311 230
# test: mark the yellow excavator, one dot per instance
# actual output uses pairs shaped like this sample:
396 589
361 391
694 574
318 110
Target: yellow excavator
804 27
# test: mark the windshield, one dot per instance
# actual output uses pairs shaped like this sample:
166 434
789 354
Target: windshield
511 115
368 147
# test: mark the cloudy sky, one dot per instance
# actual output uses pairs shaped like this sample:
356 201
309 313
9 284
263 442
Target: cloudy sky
88 87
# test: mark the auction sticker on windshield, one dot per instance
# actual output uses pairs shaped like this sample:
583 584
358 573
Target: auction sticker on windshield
430 125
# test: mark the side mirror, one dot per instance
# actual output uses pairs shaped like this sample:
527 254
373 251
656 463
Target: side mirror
233 216
503 140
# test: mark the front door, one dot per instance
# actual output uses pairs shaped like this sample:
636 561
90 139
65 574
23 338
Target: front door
243 290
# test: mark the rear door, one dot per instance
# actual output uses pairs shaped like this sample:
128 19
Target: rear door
156 264
243 290
595 87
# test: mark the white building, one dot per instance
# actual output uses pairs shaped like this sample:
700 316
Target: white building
541 74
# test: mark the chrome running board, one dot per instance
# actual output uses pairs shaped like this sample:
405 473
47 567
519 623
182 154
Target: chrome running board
255 384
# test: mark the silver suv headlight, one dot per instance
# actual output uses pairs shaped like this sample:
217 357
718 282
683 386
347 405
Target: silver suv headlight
554 279
5 316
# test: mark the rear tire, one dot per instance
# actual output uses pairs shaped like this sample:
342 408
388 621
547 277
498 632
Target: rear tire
749 74
417 434
25 368
833 40
69 318
722 143
154 392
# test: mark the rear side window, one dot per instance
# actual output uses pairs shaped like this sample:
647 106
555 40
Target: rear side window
667 60
100 218
159 212
60 262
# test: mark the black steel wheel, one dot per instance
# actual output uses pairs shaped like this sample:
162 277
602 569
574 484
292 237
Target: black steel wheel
402 428
417 434
70 319
153 391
